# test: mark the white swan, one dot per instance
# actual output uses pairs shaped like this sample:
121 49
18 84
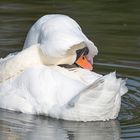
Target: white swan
32 82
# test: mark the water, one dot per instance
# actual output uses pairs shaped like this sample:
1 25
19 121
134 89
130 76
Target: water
114 26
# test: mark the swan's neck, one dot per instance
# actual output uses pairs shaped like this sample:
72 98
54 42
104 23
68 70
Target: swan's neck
48 60
69 58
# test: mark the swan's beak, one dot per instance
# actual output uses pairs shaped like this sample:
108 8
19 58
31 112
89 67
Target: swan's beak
83 62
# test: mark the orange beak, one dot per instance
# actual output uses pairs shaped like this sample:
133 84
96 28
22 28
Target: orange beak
83 62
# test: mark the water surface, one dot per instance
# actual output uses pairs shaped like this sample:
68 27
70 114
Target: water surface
114 26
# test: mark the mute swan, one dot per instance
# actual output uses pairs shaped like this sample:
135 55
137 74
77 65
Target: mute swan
32 81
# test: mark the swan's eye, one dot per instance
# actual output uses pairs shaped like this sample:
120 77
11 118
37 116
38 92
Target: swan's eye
84 51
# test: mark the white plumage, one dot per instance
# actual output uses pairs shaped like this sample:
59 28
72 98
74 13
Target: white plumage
31 81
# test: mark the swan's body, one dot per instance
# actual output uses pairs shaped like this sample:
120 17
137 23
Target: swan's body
36 85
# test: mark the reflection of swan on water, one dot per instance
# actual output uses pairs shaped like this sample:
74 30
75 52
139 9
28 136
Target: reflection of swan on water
30 127
31 81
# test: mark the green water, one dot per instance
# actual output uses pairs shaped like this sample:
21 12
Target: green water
114 27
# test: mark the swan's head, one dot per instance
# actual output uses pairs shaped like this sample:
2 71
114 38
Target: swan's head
82 55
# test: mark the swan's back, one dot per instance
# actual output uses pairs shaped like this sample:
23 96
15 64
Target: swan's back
57 34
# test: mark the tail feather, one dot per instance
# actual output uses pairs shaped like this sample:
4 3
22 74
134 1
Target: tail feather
99 101
91 87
